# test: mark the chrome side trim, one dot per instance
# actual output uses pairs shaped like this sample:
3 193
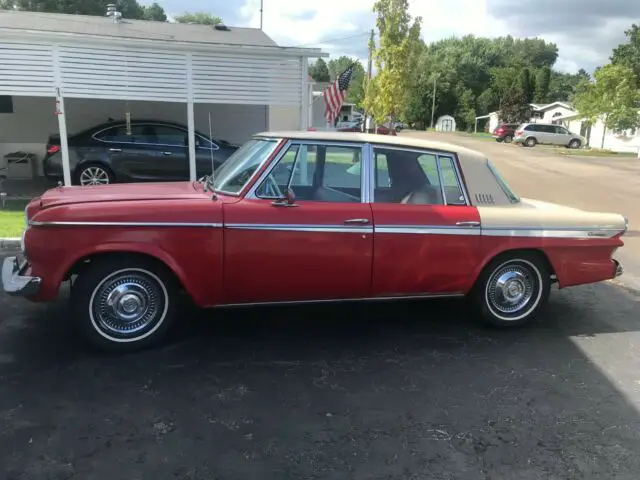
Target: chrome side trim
427 229
300 228
425 296
551 232
125 224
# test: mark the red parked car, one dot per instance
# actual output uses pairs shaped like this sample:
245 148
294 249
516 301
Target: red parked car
505 132
295 217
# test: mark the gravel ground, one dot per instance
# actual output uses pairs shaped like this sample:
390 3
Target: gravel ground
381 391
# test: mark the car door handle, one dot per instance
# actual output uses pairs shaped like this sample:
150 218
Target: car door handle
361 221
167 153
468 224
115 149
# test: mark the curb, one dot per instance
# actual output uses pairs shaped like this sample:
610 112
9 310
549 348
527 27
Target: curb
9 243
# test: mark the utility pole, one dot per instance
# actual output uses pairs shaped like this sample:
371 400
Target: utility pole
366 92
433 103
261 8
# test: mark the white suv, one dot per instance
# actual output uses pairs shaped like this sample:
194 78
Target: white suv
530 134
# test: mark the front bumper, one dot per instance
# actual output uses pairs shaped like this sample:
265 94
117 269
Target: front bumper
14 283
619 270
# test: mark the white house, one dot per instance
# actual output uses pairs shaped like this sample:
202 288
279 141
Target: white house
598 136
60 73
541 113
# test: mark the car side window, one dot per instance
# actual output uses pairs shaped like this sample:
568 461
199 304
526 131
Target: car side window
321 173
412 177
115 134
159 135
450 182
561 130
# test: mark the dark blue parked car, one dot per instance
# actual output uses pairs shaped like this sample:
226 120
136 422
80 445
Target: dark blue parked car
153 151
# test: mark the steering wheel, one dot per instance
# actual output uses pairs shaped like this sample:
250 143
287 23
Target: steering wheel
271 188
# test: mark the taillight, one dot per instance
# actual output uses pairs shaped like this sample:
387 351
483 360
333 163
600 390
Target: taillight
519 132
53 149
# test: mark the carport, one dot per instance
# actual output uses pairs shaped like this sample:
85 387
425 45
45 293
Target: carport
79 63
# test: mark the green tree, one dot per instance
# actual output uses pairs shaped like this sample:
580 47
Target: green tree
319 71
515 108
399 42
202 18
613 96
628 54
154 12
525 85
337 66
543 81
130 9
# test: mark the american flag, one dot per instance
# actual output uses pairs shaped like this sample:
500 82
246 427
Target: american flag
335 94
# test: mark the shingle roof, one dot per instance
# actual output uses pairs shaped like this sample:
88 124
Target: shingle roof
127 28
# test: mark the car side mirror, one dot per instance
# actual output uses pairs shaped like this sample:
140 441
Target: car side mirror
287 200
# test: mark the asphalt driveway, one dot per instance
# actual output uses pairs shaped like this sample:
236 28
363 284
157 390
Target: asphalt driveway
382 391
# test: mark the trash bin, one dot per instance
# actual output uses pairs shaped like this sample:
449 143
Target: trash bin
20 165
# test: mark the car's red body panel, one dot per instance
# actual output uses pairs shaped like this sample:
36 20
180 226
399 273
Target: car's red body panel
236 250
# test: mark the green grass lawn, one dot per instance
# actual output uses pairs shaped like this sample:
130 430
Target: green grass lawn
593 152
12 218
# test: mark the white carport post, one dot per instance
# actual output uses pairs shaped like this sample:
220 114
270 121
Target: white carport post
190 120
304 116
62 118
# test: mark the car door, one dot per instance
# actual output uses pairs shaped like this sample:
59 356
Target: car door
562 135
427 234
319 247
160 153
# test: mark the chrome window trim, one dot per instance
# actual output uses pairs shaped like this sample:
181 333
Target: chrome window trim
456 171
370 164
251 194
437 154
439 169
257 181
217 147
124 224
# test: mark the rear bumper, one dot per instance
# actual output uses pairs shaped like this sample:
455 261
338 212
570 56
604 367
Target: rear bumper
14 283
618 269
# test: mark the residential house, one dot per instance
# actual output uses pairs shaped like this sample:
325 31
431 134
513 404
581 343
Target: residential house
598 136
541 113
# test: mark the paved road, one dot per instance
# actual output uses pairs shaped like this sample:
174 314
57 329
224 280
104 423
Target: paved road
596 184
387 391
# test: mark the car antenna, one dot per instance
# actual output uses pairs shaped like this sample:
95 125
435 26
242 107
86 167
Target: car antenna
211 179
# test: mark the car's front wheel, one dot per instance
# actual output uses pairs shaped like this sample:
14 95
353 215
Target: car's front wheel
124 303
512 289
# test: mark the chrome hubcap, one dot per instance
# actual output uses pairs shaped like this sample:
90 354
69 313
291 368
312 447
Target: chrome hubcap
127 304
511 288
94 176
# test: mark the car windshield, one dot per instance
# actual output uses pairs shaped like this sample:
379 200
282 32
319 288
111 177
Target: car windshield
238 169
513 198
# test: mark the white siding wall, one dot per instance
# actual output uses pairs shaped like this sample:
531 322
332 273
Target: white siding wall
33 119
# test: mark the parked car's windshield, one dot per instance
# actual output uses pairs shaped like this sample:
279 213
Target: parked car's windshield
234 173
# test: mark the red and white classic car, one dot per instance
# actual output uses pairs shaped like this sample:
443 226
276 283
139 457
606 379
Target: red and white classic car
297 217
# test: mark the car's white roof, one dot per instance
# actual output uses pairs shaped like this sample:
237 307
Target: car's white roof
399 141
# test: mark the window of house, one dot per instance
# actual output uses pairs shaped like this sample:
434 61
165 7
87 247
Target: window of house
6 104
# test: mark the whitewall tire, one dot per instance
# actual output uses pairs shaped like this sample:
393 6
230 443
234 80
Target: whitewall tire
512 289
122 303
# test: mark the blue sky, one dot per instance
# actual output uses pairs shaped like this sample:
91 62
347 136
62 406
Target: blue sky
584 30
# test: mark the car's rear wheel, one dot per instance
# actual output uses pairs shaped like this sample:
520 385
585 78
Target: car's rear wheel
508 138
512 289
575 143
124 303
499 140
94 174
530 142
